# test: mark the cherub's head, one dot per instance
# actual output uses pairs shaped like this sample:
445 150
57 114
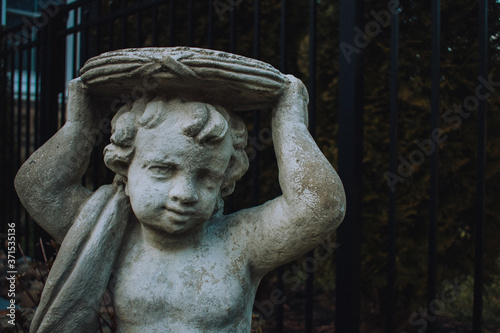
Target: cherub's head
178 159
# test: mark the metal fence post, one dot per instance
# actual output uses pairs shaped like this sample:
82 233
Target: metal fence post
350 143
53 60
483 38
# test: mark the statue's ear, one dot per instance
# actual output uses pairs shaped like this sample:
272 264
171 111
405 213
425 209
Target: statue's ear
227 189
118 158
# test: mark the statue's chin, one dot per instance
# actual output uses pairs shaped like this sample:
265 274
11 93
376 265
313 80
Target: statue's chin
172 224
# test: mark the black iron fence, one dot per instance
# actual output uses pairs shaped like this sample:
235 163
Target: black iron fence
41 55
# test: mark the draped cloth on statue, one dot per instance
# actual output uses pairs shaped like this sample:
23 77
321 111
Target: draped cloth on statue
74 289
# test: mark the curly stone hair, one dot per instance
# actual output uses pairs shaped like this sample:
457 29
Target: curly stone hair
209 124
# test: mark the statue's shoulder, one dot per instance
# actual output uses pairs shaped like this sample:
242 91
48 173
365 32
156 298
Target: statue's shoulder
237 226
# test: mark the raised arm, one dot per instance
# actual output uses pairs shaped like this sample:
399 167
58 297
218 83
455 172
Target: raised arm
49 182
313 202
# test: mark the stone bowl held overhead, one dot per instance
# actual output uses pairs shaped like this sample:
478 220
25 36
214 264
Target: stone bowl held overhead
237 82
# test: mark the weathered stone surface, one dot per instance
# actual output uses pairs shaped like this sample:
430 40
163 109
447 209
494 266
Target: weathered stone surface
238 82
157 236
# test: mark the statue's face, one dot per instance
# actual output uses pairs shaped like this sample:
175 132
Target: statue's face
173 181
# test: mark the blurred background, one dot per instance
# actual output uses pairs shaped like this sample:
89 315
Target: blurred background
404 101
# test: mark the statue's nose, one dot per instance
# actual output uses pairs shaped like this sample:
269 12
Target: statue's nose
183 190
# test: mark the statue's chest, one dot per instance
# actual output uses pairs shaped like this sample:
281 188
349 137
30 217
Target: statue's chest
193 286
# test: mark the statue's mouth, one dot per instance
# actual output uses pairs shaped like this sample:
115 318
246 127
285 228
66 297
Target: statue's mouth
180 211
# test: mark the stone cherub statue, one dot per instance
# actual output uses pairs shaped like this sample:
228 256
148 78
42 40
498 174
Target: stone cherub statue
157 236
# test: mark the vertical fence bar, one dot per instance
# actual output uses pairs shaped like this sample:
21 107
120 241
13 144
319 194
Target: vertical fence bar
95 43
190 23
210 24
70 22
99 39
124 27
90 43
30 248
283 36
20 65
85 39
3 12
433 195
12 99
37 141
62 110
350 147
21 213
481 166
111 32
154 23
76 40
27 130
256 27
19 122
391 251
139 38
37 99
309 310
232 31
172 23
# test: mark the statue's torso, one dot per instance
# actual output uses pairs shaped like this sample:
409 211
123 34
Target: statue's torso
205 289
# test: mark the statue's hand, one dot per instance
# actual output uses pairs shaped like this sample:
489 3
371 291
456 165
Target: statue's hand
293 99
295 88
81 108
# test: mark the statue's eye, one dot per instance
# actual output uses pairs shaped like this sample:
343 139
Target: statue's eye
161 171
